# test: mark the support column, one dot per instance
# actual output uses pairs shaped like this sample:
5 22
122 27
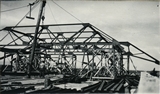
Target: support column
102 59
4 60
114 62
88 65
74 59
92 67
11 62
128 62
121 64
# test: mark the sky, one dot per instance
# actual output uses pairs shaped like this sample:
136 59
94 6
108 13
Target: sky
133 21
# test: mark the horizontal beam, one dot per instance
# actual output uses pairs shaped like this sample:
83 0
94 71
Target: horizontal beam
68 37
69 43
64 32
80 43
71 54
50 25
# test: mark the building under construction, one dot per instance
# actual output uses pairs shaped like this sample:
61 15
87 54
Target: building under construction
79 54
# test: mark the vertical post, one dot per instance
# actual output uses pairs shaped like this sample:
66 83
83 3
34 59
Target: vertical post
114 62
63 60
35 37
4 60
102 59
128 56
74 62
105 61
121 63
93 62
11 62
83 59
88 60
3 66
61 57
92 67
88 63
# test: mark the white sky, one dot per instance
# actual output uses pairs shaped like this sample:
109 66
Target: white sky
133 21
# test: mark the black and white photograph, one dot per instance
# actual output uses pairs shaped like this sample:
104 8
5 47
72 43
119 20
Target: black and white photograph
79 46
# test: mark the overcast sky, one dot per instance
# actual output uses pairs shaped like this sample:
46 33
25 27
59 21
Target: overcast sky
133 21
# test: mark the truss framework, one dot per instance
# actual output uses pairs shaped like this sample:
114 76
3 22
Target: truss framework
88 48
